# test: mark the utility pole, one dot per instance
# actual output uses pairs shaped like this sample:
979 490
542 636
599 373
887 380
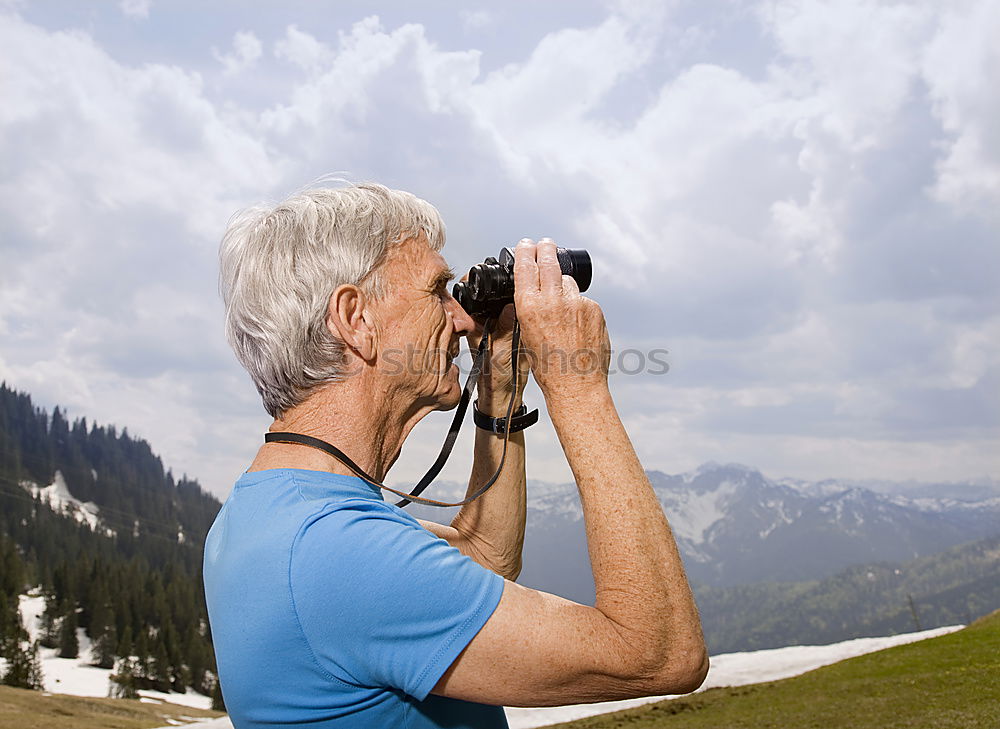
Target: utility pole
913 612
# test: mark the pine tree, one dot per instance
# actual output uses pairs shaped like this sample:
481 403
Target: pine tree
123 680
23 667
103 652
50 622
9 618
142 670
69 644
35 678
218 702
124 648
102 631
161 666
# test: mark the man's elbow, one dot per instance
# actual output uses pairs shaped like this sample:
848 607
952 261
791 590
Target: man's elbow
682 672
509 568
673 671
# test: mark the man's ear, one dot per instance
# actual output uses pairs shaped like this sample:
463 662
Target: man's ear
347 319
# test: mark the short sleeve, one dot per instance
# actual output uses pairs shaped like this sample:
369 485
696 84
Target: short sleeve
383 602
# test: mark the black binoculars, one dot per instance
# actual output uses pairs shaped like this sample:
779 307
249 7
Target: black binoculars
490 286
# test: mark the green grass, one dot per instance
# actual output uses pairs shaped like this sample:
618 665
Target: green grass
21 709
949 682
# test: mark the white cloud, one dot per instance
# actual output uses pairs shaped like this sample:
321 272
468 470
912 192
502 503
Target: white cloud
959 65
246 51
135 8
777 225
117 184
303 50
476 19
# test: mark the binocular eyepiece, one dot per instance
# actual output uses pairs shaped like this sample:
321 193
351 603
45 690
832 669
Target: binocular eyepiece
490 286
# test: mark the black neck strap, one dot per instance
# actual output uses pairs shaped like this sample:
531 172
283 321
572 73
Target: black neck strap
449 441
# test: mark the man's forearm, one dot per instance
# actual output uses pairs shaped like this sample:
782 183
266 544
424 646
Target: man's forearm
494 523
638 574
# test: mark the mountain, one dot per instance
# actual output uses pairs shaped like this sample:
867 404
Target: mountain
883 598
111 540
734 526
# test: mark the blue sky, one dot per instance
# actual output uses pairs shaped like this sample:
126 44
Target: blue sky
800 200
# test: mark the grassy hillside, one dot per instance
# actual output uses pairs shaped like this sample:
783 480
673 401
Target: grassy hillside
23 709
950 682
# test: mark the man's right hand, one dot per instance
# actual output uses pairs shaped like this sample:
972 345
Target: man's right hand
564 333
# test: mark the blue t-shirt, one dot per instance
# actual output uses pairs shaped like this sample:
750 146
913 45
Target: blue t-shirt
332 608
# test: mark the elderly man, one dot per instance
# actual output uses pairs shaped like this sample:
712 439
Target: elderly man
330 607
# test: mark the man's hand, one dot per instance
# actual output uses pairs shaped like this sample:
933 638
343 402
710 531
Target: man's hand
496 383
563 332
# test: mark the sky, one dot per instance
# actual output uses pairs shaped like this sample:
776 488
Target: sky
797 200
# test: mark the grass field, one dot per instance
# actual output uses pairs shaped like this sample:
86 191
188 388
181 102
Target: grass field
949 682
21 709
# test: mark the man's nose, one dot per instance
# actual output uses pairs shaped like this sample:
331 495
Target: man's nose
460 318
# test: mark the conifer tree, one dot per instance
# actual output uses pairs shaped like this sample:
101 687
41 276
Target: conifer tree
161 666
102 632
69 644
35 678
124 648
50 622
142 670
123 680
104 647
9 618
218 702
23 667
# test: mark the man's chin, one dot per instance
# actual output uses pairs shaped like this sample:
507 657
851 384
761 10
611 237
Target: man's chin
453 395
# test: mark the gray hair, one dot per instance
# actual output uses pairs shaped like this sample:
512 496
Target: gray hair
280 264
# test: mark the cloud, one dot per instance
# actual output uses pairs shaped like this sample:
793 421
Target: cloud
246 51
476 19
135 8
960 58
117 186
303 50
797 200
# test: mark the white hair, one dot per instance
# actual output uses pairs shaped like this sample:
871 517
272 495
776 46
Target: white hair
279 265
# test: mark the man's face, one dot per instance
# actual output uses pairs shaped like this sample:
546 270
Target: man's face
421 324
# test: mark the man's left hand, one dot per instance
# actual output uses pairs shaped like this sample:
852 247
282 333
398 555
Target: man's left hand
496 383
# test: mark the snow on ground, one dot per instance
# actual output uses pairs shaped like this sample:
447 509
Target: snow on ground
59 498
75 676
731 669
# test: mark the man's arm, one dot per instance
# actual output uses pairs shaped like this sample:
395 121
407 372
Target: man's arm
643 636
490 530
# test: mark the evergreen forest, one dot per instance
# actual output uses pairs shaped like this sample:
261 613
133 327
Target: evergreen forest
132 582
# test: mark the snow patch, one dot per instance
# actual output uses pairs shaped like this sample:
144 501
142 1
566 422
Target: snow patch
75 676
57 495
692 514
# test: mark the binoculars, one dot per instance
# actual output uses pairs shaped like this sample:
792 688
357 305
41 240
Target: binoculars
490 286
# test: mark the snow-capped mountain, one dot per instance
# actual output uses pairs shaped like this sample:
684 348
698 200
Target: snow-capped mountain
734 525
